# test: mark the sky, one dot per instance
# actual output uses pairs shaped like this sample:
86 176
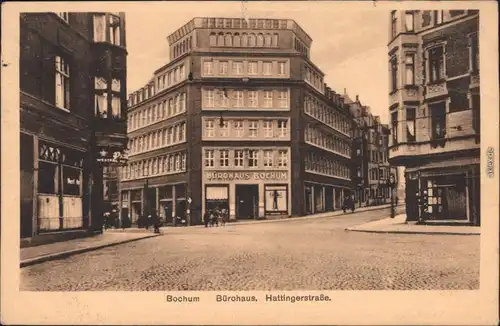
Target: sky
349 43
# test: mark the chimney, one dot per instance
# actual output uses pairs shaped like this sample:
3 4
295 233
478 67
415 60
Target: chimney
345 91
357 98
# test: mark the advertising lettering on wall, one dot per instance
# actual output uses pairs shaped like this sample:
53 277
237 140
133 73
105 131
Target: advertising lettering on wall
230 176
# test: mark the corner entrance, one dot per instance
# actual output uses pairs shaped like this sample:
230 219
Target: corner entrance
247 201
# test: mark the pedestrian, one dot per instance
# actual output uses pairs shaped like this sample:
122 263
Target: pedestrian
206 218
156 223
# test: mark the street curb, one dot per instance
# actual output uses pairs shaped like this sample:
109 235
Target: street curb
411 232
64 254
287 219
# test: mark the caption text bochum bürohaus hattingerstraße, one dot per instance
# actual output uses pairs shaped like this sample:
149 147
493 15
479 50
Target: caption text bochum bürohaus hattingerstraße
252 298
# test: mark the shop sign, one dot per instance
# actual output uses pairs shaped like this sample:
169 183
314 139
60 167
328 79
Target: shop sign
230 176
108 155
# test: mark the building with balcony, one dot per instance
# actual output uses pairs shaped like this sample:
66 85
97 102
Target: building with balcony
239 119
435 112
370 156
72 91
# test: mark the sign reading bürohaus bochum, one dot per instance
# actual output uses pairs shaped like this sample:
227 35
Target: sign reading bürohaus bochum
229 176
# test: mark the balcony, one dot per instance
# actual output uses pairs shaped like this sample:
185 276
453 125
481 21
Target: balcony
401 153
436 89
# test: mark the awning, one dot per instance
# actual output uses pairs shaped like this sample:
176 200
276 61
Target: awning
446 164
216 193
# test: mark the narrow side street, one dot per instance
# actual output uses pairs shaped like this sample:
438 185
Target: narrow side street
311 254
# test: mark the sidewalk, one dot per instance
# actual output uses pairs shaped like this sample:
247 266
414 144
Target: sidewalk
398 225
338 212
58 250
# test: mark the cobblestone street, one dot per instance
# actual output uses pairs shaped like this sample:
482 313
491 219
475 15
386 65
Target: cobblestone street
310 254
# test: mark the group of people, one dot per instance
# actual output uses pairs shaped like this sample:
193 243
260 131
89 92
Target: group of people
212 217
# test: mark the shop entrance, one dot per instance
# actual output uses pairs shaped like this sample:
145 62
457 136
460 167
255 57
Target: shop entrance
247 201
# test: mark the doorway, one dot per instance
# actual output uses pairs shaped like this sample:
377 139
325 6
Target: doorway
247 201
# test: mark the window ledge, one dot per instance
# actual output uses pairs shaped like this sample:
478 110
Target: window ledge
436 82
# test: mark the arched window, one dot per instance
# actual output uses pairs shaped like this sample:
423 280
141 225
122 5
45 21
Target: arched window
260 40
244 40
237 40
220 39
251 40
213 39
228 40
275 40
267 40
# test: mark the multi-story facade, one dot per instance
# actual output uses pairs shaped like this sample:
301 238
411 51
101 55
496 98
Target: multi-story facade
370 156
240 118
435 112
72 91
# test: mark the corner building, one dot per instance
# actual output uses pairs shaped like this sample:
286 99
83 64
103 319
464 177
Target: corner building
240 118
435 112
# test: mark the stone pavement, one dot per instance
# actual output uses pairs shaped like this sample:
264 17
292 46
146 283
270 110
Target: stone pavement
58 250
302 254
398 224
272 220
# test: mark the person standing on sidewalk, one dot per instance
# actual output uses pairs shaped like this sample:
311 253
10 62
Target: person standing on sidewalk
206 218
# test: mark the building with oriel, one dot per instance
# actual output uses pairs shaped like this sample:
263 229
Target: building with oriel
72 91
435 112
240 119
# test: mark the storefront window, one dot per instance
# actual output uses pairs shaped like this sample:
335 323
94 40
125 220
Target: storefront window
47 178
71 181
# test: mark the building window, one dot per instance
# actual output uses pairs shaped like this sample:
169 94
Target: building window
438 112
282 68
238 158
64 16
224 129
224 158
438 17
409 21
436 63
238 68
116 106
394 123
62 83
223 98
238 127
283 99
99 28
267 68
223 67
208 98
268 99
410 69
177 162
209 128
393 24
253 158
209 158
268 129
282 128
213 39
394 73
252 99
114 30
183 162
252 68
476 113
268 158
238 99
474 53
282 158
410 125
253 128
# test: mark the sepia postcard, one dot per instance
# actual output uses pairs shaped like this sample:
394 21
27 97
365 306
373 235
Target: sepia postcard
250 162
